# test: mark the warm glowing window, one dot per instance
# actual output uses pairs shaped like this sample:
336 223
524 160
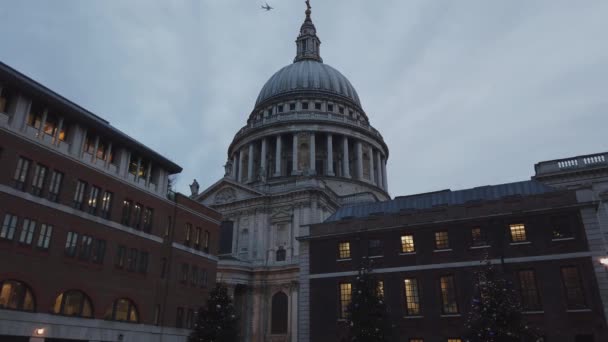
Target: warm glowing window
448 295
34 118
407 244
442 240
416 340
454 340
92 200
345 297
122 310
137 212
344 250
380 288
106 204
412 297
73 303
530 299
518 232
16 295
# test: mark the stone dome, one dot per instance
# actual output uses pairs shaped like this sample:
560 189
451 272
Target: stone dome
308 75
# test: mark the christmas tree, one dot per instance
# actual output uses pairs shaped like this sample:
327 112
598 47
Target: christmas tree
217 322
366 314
496 314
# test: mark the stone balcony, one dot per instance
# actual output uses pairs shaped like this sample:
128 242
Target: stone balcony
574 164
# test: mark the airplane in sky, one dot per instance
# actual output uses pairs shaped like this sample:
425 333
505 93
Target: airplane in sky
267 7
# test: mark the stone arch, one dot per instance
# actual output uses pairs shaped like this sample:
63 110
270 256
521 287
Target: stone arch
279 313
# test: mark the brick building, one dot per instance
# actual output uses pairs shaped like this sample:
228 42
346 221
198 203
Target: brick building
425 249
93 246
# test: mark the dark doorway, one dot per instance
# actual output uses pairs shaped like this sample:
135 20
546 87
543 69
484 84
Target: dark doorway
279 313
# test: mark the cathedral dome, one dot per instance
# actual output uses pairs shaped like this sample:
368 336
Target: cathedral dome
308 75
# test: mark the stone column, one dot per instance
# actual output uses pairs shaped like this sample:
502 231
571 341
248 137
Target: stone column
345 161
293 309
234 167
250 164
294 156
277 158
330 155
379 169
94 156
241 156
45 114
359 152
384 180
58 132
263 158
148 173
137 170
108 154
372 177
313 157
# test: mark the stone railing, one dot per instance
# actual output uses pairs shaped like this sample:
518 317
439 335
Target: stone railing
574 163
307 116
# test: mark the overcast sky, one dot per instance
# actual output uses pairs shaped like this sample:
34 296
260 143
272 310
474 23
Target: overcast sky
465 93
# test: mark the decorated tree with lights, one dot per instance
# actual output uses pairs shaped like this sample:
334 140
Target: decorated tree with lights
217 322
496 313
366 314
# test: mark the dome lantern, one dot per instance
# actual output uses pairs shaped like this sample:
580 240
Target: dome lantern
308 44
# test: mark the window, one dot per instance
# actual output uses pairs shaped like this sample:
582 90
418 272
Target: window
351 113
163 268
330 107
79 194
143 263
50 125
137 216
561 228
122 310
148 214
206 241
27 231
269 112
280 108
106 204
448 295
281 254
34 117
168 227
529 292
133 165
304 105
197 237
71 244
189 319
454 339
194 277
575 298
40 172
341 110
92 201
184 273
179 319
121 255
101 151
407 244
16 295
126 212
203 281
23 166
374 247
157 315
8 227
416 340
344 250
86 247
99 251
73 303
442 240
44 237
412 297
518 232
478 237
132 260
279 313
380 288
7 98
188 234
55 185
317 105
345 297
292 106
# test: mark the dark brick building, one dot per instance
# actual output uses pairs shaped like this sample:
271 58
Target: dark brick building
93 246
425 249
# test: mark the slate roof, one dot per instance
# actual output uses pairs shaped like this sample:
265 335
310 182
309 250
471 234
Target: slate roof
440 198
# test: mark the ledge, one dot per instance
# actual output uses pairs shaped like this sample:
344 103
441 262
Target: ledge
345 259
413 317
480 247
408 253
536 312
450 316
563 239
520 243
578 310
375 256
442 250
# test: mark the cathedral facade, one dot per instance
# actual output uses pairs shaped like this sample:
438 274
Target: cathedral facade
307 149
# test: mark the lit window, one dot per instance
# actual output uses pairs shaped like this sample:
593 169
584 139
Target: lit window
92 200
40 172
126 212
345 297
529 292
478 237
27 231
16 295
106 204
50 125
71 244
101 151
122 310
55 185
73 303
518 232
44 237
137 212
79 194
416 340
454 340
20 177
8 227
374 248
442 240
448 295
575 297
133 165
344 250
380 288
34 118
86 246
412 298
407 244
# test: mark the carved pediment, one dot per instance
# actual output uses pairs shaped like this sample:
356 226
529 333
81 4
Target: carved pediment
226 191
281 214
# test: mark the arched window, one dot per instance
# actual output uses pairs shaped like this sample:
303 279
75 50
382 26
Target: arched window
281 254
16 295
73 303
279 313
122 310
